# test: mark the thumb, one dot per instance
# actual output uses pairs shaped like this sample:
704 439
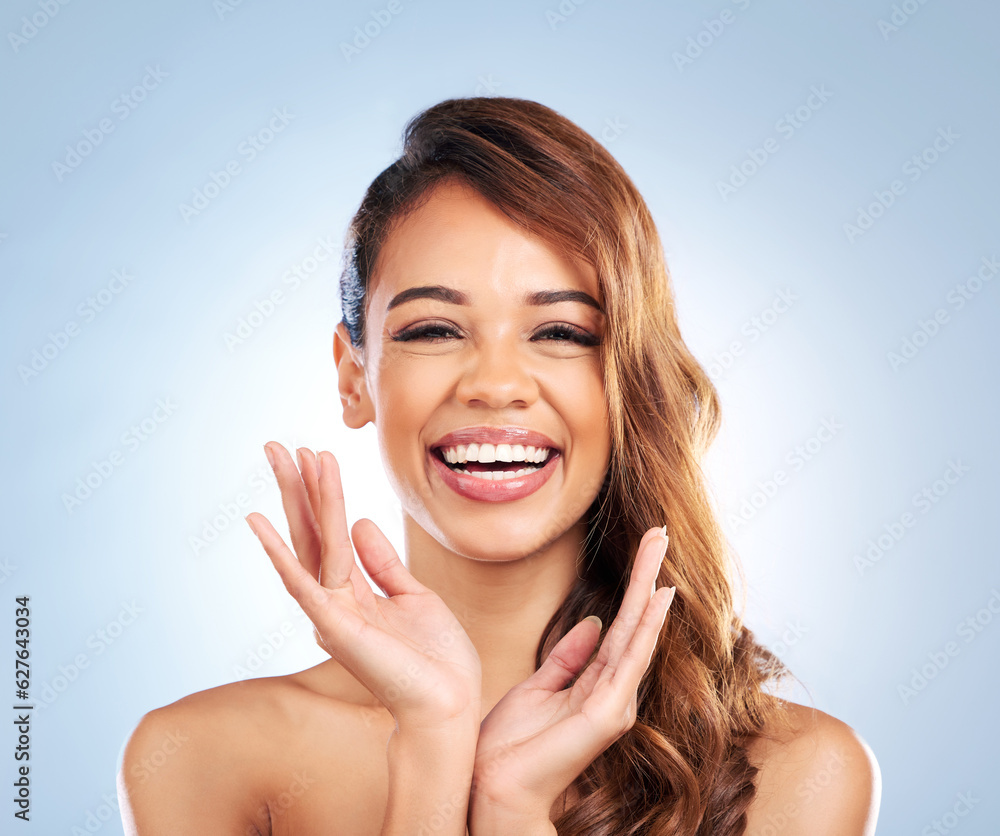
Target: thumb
568 657
381 561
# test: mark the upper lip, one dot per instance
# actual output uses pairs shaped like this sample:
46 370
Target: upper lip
495 435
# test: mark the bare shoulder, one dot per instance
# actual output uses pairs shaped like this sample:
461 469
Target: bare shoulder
197 760
231 758
817 776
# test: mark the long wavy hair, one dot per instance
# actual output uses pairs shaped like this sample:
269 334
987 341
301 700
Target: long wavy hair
682 768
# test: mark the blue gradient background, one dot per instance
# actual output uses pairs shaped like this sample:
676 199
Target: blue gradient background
852 637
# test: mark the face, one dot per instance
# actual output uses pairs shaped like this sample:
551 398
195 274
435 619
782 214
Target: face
482 349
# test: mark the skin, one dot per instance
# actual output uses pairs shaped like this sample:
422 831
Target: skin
292 754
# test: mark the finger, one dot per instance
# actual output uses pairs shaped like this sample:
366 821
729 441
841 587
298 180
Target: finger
336 550
341 626
636 657
567 658
645 569
381 561
297 580
302 523
310 476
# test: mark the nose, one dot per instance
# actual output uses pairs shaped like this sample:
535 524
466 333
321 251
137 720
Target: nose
497 376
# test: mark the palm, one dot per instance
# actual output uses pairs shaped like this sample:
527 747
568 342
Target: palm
541 735
407 647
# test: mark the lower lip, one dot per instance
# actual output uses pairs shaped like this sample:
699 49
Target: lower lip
487 490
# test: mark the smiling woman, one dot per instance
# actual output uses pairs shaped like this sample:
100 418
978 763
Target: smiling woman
509 329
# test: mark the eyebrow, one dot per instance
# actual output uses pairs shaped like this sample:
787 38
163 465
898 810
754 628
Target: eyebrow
456 297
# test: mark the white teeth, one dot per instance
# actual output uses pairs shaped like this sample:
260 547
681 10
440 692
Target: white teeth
495 453
498 475
536 454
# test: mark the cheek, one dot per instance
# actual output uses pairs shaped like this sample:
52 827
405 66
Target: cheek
578 396
407 396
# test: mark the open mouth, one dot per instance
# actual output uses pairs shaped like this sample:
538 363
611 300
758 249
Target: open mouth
495 462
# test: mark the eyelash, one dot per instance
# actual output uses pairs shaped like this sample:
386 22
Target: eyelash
423 333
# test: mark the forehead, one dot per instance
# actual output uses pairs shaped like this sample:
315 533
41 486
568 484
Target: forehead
457 238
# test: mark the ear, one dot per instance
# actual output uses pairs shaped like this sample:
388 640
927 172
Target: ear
358 407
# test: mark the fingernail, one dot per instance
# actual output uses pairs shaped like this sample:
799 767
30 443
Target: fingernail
319 465
254 530
664 530
298 458
670 600
595 619
270 456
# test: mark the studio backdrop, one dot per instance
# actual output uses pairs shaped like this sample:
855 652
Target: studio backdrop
177 181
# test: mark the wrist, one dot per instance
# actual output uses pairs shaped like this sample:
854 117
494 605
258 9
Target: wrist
454 711
455 727
514 814
500 821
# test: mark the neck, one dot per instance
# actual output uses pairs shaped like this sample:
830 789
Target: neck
503 605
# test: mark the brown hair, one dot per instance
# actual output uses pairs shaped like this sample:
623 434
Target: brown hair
683 767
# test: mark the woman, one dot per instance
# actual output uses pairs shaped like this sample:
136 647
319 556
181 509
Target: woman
508 327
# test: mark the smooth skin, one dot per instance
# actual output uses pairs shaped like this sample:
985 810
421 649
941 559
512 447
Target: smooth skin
429 708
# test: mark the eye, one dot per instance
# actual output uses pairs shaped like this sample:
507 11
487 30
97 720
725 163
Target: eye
561 332
432 332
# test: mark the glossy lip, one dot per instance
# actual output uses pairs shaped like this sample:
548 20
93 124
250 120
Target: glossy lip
495 435
486 490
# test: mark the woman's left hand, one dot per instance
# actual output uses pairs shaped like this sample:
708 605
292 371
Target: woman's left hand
539 738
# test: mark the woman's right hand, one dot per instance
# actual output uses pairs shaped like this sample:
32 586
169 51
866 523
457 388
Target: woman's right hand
407 648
